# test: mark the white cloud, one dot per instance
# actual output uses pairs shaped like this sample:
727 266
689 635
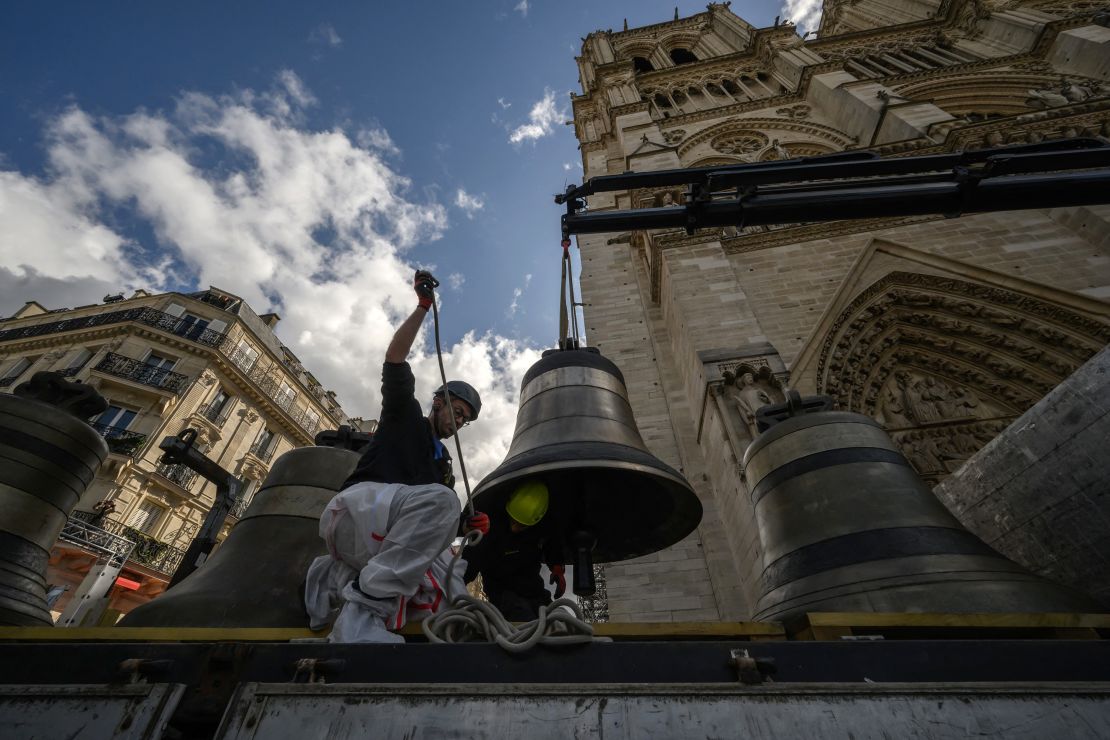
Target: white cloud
470 204
517 293
503 104
325 34
567 166
376 137
522 8
455 280
249 226
806 14
542 119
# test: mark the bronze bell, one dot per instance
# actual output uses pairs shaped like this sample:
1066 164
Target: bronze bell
256 577
48 457
610 499
847 526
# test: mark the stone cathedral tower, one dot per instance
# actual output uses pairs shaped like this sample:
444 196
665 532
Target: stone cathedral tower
960 336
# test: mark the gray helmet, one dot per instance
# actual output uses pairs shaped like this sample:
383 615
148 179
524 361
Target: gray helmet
463 392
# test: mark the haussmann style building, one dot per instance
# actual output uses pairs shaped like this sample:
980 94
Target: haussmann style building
977 342
165 362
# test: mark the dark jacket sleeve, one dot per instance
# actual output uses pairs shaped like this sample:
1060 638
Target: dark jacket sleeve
398 390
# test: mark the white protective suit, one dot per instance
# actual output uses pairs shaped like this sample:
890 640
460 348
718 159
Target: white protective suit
393 541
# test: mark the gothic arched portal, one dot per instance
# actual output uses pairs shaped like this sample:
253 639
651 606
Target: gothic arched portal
946 364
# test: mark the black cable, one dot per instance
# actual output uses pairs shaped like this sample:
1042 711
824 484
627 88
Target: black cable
447 400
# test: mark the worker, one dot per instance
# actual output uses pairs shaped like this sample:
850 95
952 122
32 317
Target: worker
509 557
388 531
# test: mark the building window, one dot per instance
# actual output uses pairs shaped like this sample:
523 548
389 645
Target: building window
115 419
286 395
145 516
682 56
263 448
244 356
77 364
191 326
640 64
159 362
15 370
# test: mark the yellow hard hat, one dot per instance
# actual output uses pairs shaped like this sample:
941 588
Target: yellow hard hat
528 503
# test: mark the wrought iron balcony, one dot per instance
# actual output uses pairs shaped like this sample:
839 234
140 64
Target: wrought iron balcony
140 372
120 441
216 413
263 451
151 317
85 529
177 473
69 372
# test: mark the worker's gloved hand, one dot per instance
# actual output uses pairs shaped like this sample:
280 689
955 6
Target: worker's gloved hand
559 578
424 284
478 521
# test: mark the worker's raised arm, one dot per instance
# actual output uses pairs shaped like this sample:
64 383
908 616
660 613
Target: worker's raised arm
401 344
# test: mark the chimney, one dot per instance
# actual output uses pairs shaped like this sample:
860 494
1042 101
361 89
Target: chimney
271 319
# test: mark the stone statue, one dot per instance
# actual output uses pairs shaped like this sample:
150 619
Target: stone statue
746 396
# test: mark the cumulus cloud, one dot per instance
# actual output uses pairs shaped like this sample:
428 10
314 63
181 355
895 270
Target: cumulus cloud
469 204
806 14
455 280
522 8
325 34
237 195
541 120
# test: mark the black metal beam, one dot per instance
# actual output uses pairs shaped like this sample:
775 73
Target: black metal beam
951 198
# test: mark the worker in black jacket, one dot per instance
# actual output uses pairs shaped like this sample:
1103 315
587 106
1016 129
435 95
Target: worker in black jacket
389 529
521 538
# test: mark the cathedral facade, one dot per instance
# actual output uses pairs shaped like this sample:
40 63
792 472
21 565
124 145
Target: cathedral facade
955 334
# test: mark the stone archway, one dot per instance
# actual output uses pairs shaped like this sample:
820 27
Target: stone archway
946 364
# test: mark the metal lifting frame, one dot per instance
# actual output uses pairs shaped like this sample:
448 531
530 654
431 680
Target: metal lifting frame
856 185
180 450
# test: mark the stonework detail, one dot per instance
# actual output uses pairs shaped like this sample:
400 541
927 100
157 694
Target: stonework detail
946 338
917 351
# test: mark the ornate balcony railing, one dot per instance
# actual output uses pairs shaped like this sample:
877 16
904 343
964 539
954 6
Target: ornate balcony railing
84 529
177 473
140 372
151 317
160 556
69 372
263 451
120 441
217 414
270 382
240 507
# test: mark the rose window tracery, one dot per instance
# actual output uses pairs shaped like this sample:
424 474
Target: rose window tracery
739 142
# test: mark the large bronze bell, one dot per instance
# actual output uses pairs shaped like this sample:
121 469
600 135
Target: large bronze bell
610 499
256 577
48 457
847 526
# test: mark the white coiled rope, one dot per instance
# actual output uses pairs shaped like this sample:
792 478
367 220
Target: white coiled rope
468 619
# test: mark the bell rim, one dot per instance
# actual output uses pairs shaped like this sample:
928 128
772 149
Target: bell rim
485 484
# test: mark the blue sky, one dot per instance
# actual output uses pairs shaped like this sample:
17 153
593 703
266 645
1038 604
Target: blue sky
306 156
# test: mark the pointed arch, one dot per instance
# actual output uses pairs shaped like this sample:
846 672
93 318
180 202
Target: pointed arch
945 364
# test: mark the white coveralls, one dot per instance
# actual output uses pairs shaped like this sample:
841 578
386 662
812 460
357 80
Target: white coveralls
394 540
